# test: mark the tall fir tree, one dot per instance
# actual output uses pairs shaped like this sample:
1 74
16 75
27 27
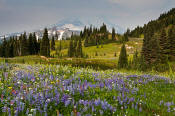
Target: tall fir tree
11 47
4 45
155 50
56 35
86 42
75 45
35 43
113 34
123 58
125 37
163 46
31 46
146 47
79 49
24 45
1 50
17 46
60 46
45 44
171 42
53 43
7 49
70 52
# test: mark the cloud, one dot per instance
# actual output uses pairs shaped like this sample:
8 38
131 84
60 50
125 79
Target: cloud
140 4
19 15
2 3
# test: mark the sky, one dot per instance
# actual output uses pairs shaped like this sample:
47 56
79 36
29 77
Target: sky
27 15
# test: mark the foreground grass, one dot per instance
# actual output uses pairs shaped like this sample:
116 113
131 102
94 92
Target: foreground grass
55 90
94 63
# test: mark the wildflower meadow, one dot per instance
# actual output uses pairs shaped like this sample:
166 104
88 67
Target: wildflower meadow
54 90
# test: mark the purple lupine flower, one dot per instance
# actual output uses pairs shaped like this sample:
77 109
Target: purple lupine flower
136 106
101 112
93 109
78 114
27 111
85 109
103 105
140 109
97 102
4 109
101 85
161 102
6 74
132 105
67 102
125 99
9 111
169 109
114 97
168 104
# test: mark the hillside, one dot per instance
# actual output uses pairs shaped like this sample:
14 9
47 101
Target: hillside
106 51
165 20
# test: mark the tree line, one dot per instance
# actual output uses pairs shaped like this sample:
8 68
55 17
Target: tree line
20 46
158 47
164 20
26 45
75 47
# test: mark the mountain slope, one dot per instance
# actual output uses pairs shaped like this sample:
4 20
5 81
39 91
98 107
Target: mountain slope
166 19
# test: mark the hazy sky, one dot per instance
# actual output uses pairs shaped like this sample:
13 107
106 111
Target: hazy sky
20 15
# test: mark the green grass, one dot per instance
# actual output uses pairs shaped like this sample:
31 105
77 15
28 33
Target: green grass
95 63
108 50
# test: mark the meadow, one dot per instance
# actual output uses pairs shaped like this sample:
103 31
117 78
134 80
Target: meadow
42 89
104 51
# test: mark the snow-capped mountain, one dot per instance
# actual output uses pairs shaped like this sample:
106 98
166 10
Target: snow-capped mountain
78 23
65 27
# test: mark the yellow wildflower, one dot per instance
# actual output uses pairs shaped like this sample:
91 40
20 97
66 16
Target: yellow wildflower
9 87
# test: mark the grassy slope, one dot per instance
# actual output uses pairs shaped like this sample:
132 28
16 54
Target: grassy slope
107 50
108 61
105 58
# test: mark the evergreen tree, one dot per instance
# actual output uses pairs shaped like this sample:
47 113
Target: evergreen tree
35 43
128 32
123 60
11 48
4 45
45 44
70 52
38 45
146 47
163 47
155 50
7 49
113 34
17 46
135 60
125 38
86 42
1 50
24 44
79 49
53 43
171 42
60 46
56 35
75 45
31 46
